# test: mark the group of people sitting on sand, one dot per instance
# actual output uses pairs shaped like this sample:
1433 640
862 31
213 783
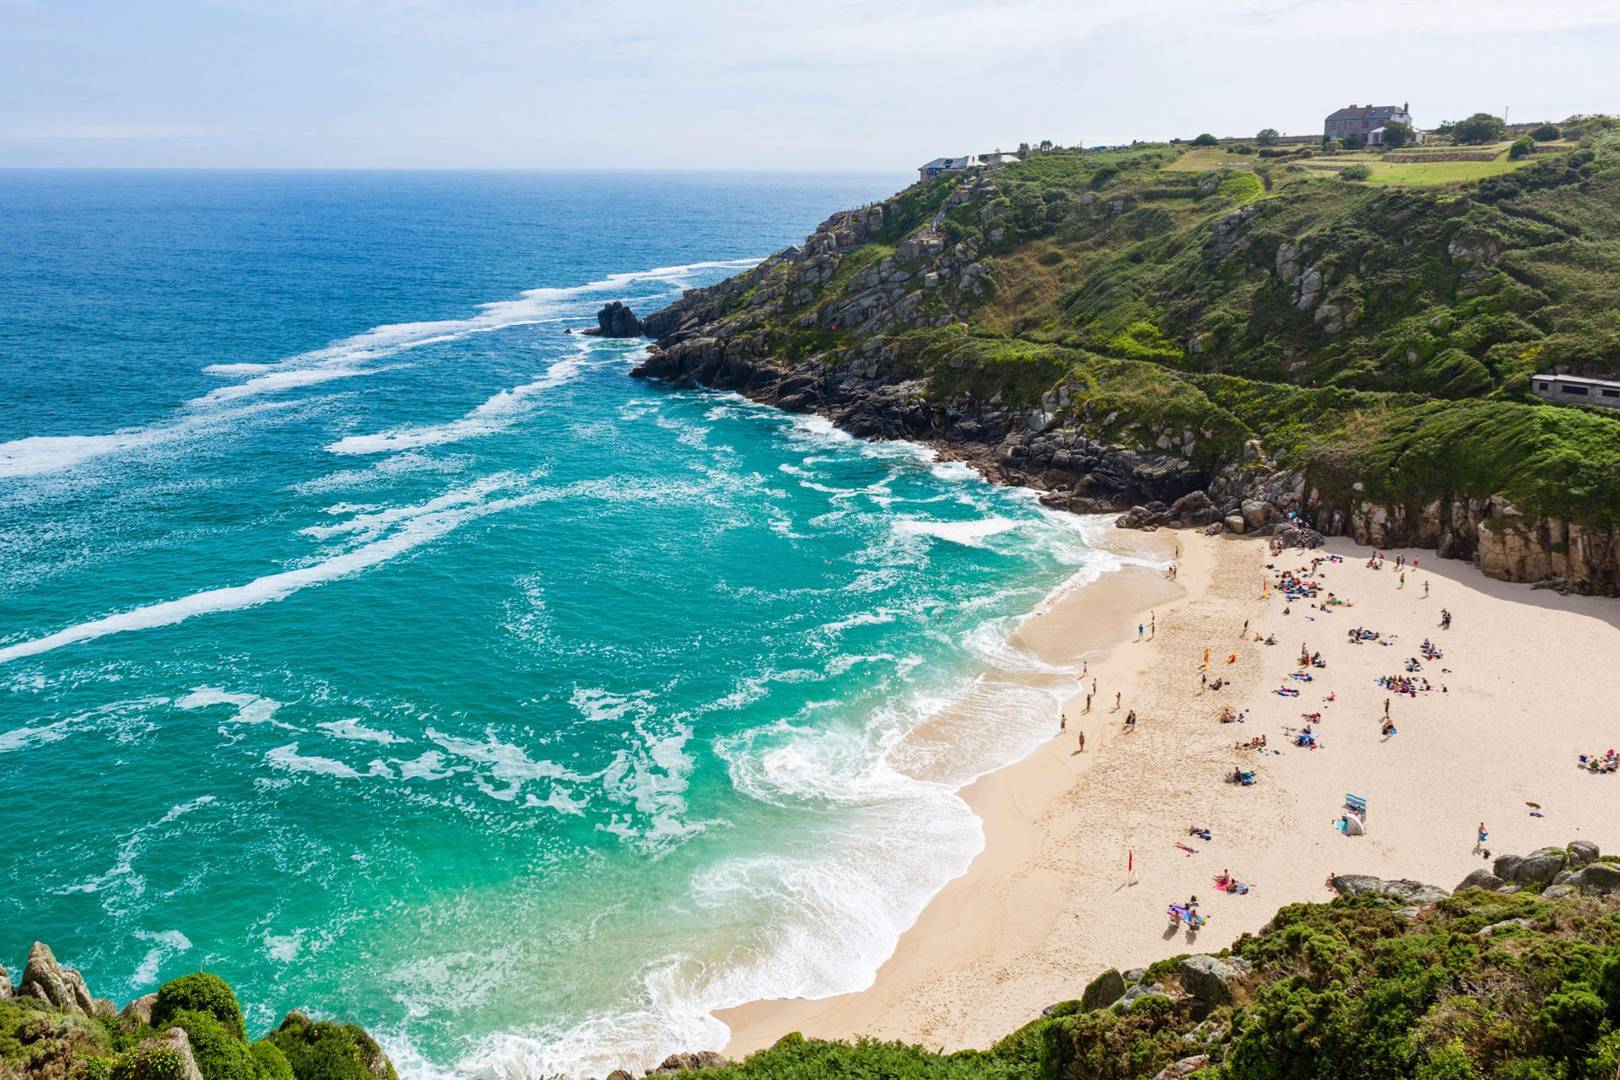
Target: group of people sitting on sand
1401 684
1226 883
1256 743
1227 716
1601 763
1241 777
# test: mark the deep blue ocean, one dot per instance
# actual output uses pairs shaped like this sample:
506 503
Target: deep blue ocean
371 642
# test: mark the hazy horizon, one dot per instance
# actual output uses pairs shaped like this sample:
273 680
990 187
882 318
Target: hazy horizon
878 86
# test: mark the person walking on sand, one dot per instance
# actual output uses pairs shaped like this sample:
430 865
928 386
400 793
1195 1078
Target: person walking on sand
1139 630
1082 742
1116 700
1088 703
1130 720
1386 708
1425 590
1063 722
1206 656
1480 836
1245 632
1402 585
1153 624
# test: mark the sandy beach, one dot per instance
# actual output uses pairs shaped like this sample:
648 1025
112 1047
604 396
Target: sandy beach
1048 903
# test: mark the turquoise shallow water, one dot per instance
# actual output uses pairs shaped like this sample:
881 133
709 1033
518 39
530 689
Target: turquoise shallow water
369 641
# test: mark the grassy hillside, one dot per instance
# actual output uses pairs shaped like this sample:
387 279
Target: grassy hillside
1483 985
1378 333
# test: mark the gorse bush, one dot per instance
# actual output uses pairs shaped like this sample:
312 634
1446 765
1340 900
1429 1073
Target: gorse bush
322 1050
199 992
221 1054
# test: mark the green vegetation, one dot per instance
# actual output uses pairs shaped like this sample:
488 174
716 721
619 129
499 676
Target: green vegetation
1521 147
1206 139
198 992
39 1042
1397 135
1267 137
322 1050
1379 333
1353 990
1479 128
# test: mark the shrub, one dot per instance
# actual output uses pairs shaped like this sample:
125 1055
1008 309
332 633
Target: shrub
220 1053
1267 137
1355 172
272 1063
198 992
149 1063
1521 147
322 1050
1546 133
1479 128
1205 139
1397 135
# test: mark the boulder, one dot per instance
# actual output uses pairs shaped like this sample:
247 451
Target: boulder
1255 513
1540 866
1185 1067
167 1057
703 1059
1558 892
58 986
1235 523
1137 993
1401 890
1134 975
1480 879
1208 978
5 983
139 1011
619 1074
1103 991
1506 867
617 321
1506 924
1596 879
1581 852
1195 508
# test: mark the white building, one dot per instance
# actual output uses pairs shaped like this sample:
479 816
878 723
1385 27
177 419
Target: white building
945 166
1575 390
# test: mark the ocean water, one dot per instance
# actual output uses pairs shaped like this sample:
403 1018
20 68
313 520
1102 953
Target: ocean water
369 641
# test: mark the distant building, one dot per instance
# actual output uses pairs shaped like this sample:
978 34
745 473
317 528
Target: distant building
1575 390
1356 123
946 166
1000 157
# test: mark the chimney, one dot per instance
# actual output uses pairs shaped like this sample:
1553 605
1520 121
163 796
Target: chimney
1406 107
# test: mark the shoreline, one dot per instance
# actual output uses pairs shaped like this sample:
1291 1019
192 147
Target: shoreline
1045 906
1086 625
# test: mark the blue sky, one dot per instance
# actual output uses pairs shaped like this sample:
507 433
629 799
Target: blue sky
833 84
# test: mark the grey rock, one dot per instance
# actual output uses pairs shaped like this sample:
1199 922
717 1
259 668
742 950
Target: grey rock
1185 1067
617 321
1401 890
1208 978
1597 879
1582 852
1103 991
619 1074
1135 975
1506 924
1234 523
703 1059
1480 879
5 983
50 982
1136 993
1540 866
1558 892
175 1040
1506 867
139 1011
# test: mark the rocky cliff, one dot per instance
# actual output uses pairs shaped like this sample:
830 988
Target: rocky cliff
910 319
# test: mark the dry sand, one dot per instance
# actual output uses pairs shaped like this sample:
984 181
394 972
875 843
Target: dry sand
1047 905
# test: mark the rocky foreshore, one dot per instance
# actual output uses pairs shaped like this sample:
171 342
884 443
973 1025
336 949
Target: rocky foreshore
728 336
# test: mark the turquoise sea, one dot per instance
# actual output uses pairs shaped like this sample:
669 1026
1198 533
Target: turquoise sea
371 642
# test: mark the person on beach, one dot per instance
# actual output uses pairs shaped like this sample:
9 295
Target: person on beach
1139 631
1116 700
1386 708
1203 681
1153 624
1082 742
1480 836
1130 720
1206 656
1088 705
1425 590
1245 631
1063 722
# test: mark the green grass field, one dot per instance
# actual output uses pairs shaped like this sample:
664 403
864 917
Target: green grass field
1384 173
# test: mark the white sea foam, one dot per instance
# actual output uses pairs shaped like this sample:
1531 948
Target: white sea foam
411 530
250 708
355 731
966 533
288 759
166 944
496 414
501 763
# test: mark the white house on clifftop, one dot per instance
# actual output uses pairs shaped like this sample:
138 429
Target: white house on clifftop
1364 123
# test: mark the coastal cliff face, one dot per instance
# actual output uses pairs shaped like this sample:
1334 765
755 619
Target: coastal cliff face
1198 351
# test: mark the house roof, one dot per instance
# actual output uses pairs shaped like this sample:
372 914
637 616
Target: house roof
1581 380
964 162
1366 112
